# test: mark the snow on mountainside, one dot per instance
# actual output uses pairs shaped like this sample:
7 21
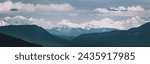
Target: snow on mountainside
68 28
104 23
121 25
67 25
17 20
21 20
2 23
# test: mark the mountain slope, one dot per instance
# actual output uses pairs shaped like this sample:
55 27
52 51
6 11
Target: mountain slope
74 32
133 37
9 41
33 33
69 28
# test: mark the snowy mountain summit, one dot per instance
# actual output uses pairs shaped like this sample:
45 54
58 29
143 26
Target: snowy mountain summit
68 28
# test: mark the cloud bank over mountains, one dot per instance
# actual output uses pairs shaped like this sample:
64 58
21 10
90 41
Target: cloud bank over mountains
119 9
119 17
66 10
103 23
19 6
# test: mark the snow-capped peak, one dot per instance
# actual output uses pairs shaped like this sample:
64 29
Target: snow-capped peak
133 22
97 24
65 25
137 21
17 20
20 17
3 23
121 25
21 20
68 23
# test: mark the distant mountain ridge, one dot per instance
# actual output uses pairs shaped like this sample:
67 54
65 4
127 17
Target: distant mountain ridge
134 37
34 34
91 34
74 32
68 28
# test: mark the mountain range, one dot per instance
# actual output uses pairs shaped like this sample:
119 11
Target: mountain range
133 37
70 29
136 37
134 32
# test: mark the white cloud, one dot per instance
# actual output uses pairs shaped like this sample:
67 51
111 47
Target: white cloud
135 8
120 10
7 5
132 8
102 10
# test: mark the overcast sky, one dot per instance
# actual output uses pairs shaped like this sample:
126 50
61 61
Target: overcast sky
91 4
76 10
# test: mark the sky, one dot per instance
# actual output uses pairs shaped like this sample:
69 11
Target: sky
77 11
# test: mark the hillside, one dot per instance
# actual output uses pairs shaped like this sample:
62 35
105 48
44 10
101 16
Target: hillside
33 33
9 41
134 37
